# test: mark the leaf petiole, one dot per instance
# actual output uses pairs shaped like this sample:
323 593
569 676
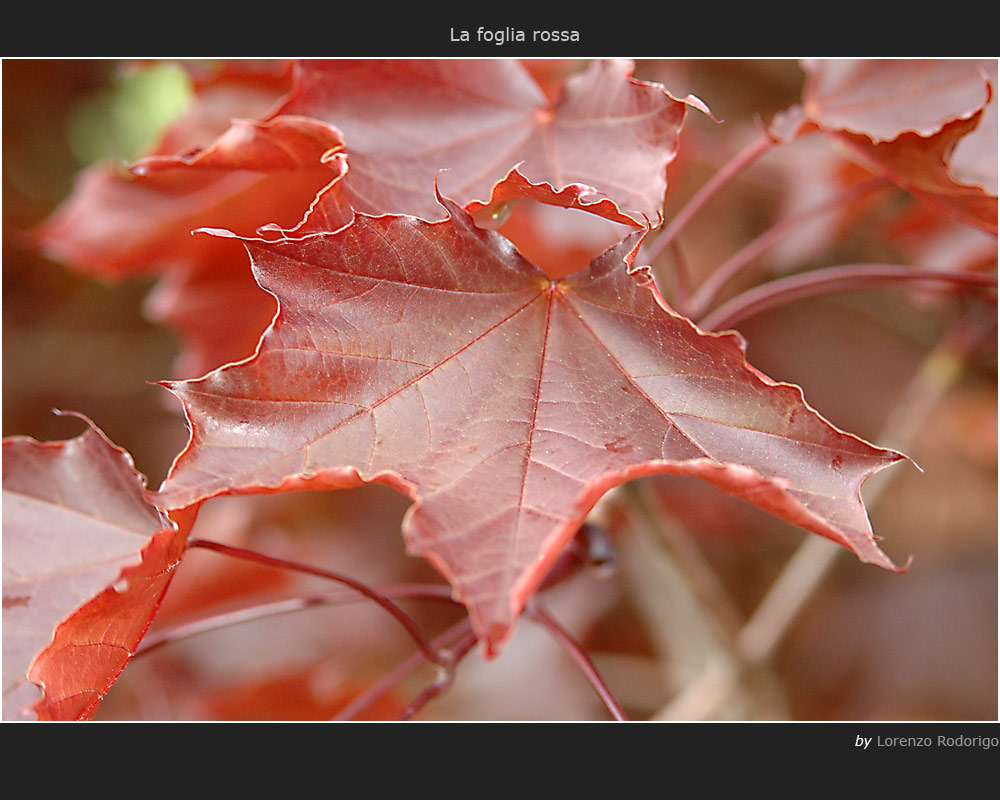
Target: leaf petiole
705 295
846 278
580 658
259 611
404 619
726 173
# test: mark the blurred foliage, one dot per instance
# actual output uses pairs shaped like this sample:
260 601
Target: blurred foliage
125 120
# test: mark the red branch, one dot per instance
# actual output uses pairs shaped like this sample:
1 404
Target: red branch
727 172
827 281
581 659
709 290
411 627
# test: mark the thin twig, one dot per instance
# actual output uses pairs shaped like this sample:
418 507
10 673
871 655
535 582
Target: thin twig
582 660
705 295
457 632
727 172
711 690
686 626
445 677
798 580
401 616
845 278
259 611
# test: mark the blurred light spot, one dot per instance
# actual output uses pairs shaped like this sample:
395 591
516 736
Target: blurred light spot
124 121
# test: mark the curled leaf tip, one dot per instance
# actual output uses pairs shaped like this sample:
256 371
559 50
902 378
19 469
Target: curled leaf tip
220 232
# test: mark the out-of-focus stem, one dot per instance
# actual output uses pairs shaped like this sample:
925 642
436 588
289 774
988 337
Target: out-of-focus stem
683 629
830 280
401 616
705 295
799 578
580 658
699 575
726 173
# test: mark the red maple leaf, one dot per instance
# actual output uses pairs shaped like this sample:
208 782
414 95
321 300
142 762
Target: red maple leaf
403 122
927 125
434 358
86 562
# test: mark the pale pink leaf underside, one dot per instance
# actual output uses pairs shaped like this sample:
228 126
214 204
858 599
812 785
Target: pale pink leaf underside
85 561
882 98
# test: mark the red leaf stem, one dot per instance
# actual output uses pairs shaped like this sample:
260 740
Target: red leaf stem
705 295
249 555
258 611
826 281
457 633
580 658
444 679
726 173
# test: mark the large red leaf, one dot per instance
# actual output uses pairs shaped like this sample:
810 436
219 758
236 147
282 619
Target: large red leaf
432 357
405 121
86 560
